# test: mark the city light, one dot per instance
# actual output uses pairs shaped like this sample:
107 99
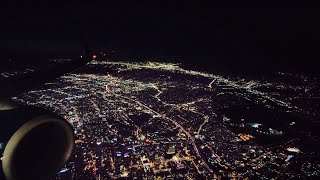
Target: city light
150 120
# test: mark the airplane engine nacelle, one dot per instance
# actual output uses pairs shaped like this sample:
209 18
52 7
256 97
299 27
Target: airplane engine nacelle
34 143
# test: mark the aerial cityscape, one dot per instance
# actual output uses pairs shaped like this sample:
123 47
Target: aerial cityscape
155 120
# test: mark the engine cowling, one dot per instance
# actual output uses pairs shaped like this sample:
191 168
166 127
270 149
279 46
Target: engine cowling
35 143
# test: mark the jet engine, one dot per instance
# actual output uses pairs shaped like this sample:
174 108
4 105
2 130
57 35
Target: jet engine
34 143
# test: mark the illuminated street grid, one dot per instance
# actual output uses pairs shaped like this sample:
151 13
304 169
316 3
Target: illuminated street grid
158 120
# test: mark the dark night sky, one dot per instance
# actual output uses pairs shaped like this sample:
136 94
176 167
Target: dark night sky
232 36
